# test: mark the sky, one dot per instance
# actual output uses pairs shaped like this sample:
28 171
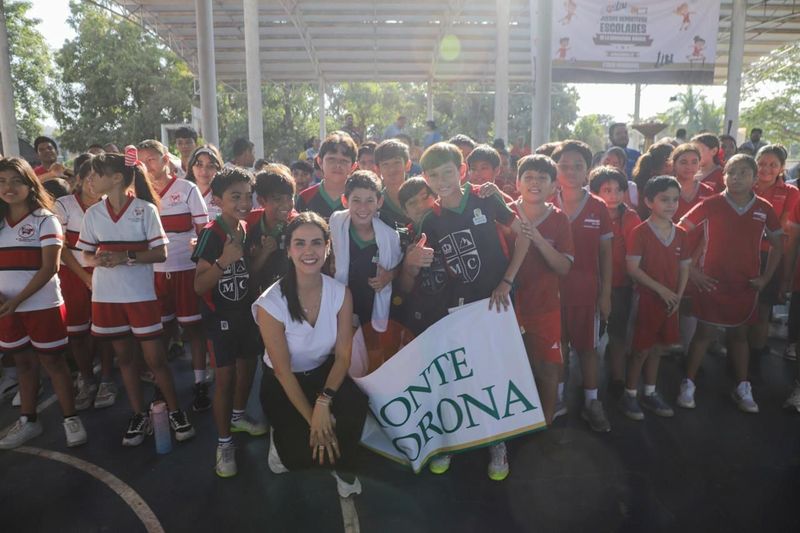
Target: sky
610 99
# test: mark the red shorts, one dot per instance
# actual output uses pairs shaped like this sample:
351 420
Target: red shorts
543 332
652 326
580 326
176 296
43 329
728 305
78 299
119 319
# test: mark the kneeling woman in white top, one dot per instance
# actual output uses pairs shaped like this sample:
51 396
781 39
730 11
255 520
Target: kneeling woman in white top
306 321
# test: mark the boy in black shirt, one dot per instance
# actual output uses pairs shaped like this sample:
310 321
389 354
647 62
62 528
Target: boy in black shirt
336 158
393 161
222 280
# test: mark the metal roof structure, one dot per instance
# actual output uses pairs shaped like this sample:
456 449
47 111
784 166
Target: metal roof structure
390 40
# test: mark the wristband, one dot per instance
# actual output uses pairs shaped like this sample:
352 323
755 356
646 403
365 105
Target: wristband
131 257
510 283
329 393
218 265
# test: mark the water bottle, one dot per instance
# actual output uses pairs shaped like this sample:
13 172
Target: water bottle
160 420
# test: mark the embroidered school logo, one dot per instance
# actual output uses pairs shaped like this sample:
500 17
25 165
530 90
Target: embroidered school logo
234 282
461 255
26 232
591 223
175 198
138 212
761 216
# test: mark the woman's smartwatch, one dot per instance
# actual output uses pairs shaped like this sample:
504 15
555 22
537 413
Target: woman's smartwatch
131 257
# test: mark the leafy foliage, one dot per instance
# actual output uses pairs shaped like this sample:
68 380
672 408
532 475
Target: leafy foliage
694 112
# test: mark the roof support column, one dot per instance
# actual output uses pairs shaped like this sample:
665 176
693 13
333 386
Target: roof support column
541 41
208 71
430 99
735 59
501 71
322 129
252 60
8 120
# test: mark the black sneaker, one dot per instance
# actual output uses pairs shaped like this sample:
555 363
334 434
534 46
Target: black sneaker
181 426
138 427
201 400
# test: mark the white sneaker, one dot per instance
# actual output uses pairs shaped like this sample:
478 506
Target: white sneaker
8 388
226 460
346 489
20 433
743 397
245 425
793 401
440 464
790 353
76 433
498 462
106 395
686 396
85 395
560 409
273 459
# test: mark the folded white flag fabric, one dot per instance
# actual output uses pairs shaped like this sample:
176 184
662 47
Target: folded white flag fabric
464 383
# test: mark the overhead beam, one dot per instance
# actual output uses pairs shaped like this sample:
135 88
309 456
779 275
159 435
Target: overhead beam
8 120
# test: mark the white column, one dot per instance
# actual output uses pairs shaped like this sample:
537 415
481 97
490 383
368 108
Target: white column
501 72
637 102
208 70
430 99
735 60
322 129
8 121
541 41
252 56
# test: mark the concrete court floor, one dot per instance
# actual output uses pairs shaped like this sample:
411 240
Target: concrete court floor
710 469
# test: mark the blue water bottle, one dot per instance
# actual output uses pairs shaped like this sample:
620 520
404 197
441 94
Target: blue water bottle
160 419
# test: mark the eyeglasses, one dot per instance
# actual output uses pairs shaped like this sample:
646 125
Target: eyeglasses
337 161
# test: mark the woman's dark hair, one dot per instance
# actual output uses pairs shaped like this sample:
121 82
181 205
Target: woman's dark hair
289 281
38 197
742 158
779 151
108 164
207 149
649 165
711 141
56 187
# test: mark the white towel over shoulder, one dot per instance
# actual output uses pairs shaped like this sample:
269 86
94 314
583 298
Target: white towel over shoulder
389 256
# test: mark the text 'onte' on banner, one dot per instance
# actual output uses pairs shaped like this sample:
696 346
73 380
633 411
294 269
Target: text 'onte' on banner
464 383
640 41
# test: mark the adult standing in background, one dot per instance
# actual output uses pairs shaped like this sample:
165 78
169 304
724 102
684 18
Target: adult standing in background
755 143
395 128
351 129
432 136
242 154
47 150
618 135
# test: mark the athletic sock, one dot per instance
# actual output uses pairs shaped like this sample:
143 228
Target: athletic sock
199 376
237 415
589 395
631 392
560 392
225 441
649 390
29 418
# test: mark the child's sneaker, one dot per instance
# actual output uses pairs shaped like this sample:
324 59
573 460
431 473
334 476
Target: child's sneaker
181 426
175 350
138 428
85 395
147 376
560 409
630 407
595 415
226 460
21 432
273 459
75 432
793 401
106 395
790 353
498 462
440 464
245 425
344 488
743 397
655 403
8 388
201 400
686 395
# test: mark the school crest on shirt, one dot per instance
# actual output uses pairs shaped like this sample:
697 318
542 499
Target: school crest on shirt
759 215
138 212
175 198
461 254
234 282
26 233
591 222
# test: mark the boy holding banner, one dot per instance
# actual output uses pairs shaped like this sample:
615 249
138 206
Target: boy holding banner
462 227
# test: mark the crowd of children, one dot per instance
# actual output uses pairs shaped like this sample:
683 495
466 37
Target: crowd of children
141 255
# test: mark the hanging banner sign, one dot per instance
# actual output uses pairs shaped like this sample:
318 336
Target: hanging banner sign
464 383
639 41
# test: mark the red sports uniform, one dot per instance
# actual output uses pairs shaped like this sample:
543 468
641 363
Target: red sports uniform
732 257
622 227
590 225
688 199
39 319
77 296
783 198
661 260
536 299
715 179
123 297
181 208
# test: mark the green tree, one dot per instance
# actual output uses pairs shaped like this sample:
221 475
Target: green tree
693 111
30 68
772 97
593 130
117 82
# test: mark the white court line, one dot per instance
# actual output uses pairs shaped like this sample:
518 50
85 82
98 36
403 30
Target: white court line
123 490
349 515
